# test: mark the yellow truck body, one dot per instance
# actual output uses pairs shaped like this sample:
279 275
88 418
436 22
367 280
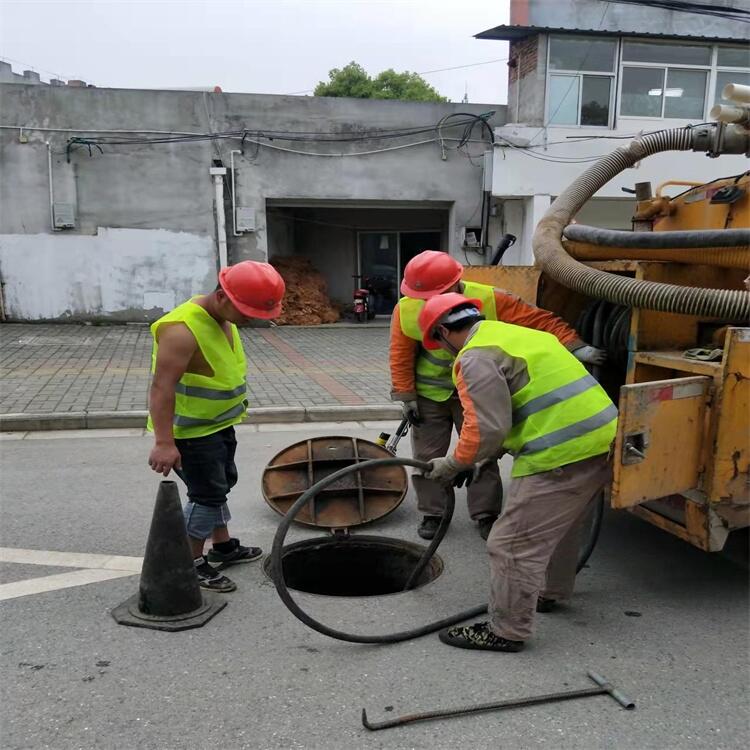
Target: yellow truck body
682 454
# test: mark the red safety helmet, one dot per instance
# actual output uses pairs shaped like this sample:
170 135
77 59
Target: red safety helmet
436 309
430 273
255 289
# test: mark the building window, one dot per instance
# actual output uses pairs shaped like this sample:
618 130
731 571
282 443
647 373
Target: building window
733 65
581 80
664 80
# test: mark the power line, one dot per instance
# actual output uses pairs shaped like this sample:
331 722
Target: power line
428 72
728 12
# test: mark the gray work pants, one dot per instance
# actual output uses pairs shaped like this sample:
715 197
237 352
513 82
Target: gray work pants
432 439
533 546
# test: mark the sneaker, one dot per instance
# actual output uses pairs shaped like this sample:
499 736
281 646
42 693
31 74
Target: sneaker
429 526
478 636
545 605
485 525
239 554
210 578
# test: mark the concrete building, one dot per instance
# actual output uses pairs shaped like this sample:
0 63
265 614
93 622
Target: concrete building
109 197
585 73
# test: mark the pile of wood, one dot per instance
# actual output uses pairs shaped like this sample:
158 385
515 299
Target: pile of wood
306 301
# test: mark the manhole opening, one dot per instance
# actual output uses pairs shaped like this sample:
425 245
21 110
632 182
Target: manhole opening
357 566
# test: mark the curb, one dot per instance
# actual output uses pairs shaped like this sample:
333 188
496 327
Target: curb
262 415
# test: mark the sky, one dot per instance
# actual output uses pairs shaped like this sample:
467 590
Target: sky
256 46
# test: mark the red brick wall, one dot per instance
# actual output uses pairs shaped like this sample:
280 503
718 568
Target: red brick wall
523 57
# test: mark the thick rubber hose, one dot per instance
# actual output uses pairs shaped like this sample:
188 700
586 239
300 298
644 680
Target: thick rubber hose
698 239
708 256
277 570
554 261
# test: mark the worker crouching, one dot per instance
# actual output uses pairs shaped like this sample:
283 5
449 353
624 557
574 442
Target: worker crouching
522 393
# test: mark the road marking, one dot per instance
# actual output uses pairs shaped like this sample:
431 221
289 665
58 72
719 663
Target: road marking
58 581
70 559
90 569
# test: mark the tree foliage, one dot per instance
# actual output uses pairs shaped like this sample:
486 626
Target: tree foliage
353 81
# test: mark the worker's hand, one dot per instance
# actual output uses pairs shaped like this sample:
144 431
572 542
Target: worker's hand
164 457
410 410
445 470
590 355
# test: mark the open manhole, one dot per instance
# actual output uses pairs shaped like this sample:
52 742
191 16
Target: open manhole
355 566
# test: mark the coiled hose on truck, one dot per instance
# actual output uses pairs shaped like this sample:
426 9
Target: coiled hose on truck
556 262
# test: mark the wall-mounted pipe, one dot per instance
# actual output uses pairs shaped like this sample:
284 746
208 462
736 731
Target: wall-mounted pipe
218 173
51 187
234 193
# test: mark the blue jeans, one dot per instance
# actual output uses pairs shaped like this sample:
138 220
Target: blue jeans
209 471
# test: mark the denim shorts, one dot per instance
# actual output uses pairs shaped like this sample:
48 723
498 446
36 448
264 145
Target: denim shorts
209 471
201 520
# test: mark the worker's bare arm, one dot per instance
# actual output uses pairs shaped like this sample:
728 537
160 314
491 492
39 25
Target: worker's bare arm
177 346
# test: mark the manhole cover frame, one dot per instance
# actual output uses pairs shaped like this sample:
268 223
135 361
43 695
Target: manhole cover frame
435 568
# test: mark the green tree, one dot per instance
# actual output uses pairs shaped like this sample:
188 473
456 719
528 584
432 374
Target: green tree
353 81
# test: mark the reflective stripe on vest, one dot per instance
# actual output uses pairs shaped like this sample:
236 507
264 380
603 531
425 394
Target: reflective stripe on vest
562 415
215 394
205 404
575 430
182 421
553 397
433 379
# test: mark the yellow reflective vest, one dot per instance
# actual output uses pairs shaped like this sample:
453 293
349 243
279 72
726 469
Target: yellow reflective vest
203 404
562 415
433 369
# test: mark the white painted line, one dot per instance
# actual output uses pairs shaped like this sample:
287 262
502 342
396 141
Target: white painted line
58 581
119 563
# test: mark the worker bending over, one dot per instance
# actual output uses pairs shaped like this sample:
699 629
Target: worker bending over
197 396
421 379
522 393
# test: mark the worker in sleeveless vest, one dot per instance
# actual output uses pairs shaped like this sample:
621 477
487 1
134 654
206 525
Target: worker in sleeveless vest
421 379
525 394
197 396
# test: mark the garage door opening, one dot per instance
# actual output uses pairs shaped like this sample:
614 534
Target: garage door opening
343 243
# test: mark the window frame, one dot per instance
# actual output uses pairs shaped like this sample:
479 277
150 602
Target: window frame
611 74
712 68
716 69
664 67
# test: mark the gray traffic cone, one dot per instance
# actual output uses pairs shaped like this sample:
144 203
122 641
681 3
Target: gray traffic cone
169 597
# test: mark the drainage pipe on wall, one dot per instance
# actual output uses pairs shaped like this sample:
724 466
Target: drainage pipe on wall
51 187
234 192
218 174
556 262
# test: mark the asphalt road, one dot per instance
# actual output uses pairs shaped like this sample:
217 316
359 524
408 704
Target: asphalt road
665 622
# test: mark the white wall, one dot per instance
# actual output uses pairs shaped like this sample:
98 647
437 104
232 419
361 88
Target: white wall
135 274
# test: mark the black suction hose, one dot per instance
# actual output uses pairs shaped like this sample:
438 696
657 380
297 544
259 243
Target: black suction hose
277 569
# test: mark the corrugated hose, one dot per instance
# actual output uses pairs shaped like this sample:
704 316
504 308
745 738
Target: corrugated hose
553 259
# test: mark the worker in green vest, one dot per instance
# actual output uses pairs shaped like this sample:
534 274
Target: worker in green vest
525 394
421 379
197 396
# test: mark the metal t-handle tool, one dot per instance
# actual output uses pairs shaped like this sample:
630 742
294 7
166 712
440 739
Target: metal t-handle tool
605 688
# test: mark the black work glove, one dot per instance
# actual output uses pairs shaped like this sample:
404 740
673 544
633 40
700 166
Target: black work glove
464 478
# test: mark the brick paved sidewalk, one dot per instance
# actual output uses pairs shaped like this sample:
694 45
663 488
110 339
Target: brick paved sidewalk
79 368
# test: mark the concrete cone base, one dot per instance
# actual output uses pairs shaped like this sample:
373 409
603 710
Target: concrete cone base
128 613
